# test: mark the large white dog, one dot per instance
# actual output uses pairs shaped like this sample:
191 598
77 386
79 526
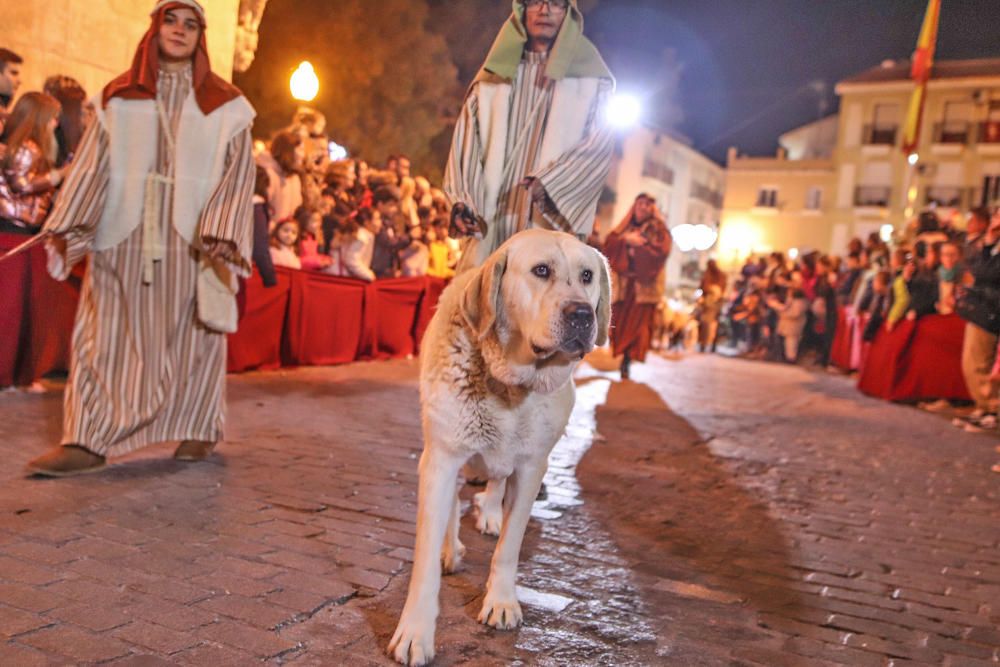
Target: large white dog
496 391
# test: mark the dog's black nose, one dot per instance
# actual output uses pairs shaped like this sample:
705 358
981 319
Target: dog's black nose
579 315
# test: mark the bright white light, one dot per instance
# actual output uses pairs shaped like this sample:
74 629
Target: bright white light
624 110
684 236
704 237
885 232
913 158
337 152
304 82
793 254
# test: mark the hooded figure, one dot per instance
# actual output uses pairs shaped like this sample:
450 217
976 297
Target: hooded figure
531 146
159 198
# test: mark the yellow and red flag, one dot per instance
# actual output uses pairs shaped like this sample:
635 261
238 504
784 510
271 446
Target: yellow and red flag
923 63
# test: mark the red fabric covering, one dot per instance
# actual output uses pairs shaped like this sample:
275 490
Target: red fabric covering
257 343
324 319
932 364
36 315
840 354
14 286
883 367
428 305
392 309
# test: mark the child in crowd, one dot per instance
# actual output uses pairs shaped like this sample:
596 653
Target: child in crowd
284 244
441 261
311 239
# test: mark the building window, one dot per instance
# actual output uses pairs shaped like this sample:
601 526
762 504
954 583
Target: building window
814 199
661 172
989 132
954 129
767 197
884 126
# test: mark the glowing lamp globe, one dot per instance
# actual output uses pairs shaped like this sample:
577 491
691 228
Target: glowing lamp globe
305 83
684 236
703 237
793 254
885 232
624 111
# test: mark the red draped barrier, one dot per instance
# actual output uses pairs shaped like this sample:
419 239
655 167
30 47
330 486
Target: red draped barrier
392 308
36 315
932 364
883 366
324 320
257 343
840 353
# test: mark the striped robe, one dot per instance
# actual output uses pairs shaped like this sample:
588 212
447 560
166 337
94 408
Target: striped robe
573 182
143 369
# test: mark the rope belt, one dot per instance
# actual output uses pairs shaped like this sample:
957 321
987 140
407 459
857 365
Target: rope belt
156 189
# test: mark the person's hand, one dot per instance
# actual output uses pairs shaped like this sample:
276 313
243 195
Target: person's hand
634 239
911 315
56 176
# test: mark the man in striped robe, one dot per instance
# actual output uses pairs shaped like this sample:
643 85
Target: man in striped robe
159 199
531 146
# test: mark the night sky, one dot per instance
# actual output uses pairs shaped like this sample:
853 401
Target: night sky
751 62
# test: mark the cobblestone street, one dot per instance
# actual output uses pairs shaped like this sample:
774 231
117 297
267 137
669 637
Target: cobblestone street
712 511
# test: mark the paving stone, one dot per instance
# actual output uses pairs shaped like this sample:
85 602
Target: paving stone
729 513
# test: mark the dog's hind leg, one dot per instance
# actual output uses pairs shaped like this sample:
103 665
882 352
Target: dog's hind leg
489 507
413 642
453 549
500 607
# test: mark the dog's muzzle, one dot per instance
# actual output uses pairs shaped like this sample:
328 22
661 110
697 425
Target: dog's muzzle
578 328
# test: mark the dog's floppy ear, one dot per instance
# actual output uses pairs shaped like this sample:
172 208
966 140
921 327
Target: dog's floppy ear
481 299
604 305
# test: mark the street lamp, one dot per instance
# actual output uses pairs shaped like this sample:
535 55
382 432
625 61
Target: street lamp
624 111
304 82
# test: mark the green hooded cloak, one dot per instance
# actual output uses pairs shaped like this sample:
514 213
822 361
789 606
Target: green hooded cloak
572 55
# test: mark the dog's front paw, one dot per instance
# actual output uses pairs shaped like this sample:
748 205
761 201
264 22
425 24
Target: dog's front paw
502 612
413 643
451 557
489 514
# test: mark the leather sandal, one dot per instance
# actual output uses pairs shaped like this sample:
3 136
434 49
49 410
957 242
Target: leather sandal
66 461
194 450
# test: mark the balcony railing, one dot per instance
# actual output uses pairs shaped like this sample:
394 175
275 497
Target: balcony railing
989 132
872 195
951 132
660 172
945 196
879 135
706 194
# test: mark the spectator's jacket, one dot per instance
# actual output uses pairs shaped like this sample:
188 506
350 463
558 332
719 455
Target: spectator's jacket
261 252
385 255
25 189
792 316
352 258
980 303
284 192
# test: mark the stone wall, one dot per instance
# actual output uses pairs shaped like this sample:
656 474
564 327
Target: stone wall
95 40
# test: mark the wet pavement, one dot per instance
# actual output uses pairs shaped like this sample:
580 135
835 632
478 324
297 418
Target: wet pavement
710 512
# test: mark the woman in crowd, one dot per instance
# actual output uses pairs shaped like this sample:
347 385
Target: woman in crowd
283 163
414 259
73 118
825 308
901 293
28 176
792 312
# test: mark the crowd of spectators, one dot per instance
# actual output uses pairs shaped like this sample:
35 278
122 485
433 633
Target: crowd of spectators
343 218
337 217
785 309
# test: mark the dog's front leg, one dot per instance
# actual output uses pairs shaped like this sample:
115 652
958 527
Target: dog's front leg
413 641
500 607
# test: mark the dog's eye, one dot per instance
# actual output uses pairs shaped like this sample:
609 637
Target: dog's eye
542 271
587 276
